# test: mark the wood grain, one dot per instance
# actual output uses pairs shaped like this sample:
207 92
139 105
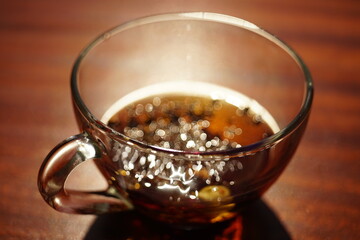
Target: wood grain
317 197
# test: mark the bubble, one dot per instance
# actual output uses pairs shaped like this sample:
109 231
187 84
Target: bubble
166 145
203 136
127 149
160 132
217 105
139 134
193 197
231 167
124 155
196 134
142 160
139 109
183 136
152 126
152 165
190 144
149 107
257 119
156 101
131 166
168 165
174 129
238 131
161 122
228 134
181 120
215 142
186 127
225 142
197 167
151 158
205 123
190 172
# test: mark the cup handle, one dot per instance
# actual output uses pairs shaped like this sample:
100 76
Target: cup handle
55 170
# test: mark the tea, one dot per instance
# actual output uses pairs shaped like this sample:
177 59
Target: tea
204 118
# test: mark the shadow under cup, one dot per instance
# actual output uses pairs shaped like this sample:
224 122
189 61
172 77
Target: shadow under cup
189 50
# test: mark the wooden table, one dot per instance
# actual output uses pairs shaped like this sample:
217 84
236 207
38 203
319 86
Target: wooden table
317 197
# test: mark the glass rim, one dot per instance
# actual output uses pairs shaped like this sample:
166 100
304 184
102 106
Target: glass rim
201 16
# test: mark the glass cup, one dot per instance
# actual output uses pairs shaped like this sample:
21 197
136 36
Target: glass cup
195 53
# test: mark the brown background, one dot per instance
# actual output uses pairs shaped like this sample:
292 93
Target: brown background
317 197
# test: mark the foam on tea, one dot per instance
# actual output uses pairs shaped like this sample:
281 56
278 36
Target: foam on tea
192 117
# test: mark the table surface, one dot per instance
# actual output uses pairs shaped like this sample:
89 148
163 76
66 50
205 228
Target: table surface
318 195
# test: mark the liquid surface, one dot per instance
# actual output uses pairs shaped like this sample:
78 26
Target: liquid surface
198 122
